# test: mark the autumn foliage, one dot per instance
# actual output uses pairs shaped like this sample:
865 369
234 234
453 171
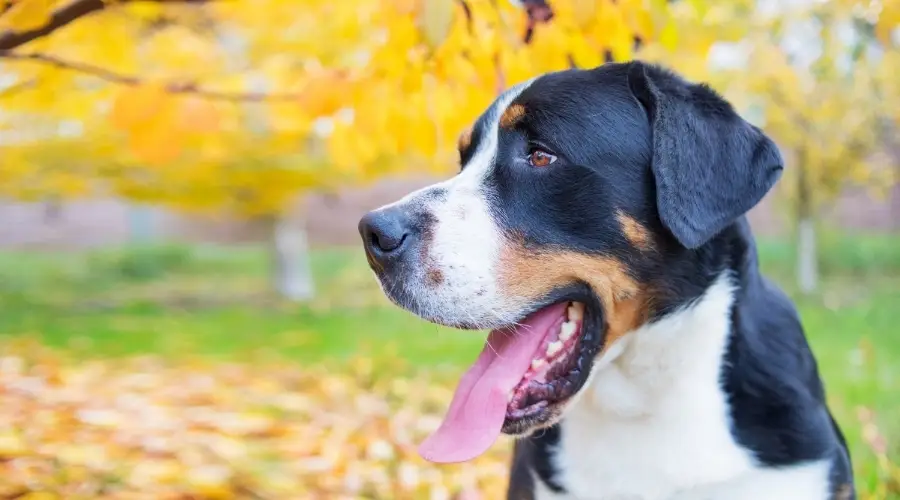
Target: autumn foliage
833 106
241 105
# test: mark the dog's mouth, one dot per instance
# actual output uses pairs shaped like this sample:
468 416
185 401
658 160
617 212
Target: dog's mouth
553 377
524 376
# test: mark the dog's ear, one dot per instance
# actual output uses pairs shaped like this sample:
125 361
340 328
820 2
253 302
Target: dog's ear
709 164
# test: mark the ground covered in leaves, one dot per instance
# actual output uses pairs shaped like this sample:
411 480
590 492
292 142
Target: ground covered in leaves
160 373
145 428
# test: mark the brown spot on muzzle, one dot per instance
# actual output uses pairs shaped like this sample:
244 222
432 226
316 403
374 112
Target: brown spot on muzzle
512 115
434 277
634 231
525 275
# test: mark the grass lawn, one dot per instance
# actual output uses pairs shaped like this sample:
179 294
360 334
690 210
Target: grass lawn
213 303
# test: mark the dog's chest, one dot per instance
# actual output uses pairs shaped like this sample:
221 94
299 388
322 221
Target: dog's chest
655 424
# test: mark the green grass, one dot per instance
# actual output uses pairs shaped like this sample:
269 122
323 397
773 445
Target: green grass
207 301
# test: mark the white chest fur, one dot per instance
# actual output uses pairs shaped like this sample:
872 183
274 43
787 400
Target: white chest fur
653 424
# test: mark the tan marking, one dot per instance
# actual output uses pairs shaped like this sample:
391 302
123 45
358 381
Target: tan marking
464 140
626 316
512 115
637 234
525 275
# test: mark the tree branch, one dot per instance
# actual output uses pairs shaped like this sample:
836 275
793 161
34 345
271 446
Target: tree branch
539 11
174 88
61 17
467 10
18 87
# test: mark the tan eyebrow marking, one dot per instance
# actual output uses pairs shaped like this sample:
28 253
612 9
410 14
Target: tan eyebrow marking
512 115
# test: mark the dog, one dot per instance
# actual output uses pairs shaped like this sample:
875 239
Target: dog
598 229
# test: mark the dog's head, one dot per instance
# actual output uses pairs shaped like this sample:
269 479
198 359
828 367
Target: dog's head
581 197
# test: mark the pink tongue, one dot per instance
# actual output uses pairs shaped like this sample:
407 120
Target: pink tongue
478 409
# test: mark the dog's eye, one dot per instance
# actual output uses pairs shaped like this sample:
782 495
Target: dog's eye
540 158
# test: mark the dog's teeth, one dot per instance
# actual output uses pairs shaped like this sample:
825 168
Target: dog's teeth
575 311
567 330
553 348
537 364
509 397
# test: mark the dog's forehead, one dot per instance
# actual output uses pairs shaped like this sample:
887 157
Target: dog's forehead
589 116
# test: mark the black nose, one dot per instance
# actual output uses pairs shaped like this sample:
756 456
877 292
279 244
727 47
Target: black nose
386 233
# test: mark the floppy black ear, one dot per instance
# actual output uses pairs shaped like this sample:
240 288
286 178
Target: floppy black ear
710 165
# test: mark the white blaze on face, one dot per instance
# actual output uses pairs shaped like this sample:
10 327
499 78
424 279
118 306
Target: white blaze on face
464 240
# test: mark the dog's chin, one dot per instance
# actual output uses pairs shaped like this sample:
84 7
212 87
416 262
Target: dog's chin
561 365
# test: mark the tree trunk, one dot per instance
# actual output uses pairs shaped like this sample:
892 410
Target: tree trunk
807 253
141 223
807 256
291 270
894 151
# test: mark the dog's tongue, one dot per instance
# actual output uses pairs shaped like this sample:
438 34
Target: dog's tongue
478 409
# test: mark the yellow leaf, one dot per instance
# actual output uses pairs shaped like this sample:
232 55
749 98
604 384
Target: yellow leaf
435 20
156 140
324 94
614 30
584 11
136 104
149 11
39 495
584 54
197 114
642 24
289 117
211 481
12 445
888 21
668 36
178 50
517 67
27 15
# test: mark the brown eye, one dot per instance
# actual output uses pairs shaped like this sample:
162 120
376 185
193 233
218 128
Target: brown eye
540 158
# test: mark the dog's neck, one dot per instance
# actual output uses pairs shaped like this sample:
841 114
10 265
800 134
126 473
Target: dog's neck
692 273
663 356
685 341
660 382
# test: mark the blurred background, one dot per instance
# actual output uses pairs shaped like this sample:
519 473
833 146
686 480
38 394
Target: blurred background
185 311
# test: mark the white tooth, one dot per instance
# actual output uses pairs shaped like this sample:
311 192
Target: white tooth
553 348
537 364
510 397
567 330
576 311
